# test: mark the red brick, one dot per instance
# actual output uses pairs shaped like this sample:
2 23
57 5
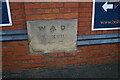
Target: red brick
83 60
37 65
84 33
71 4
51 63
95 47
117 45
19 22
59 16
52 5
19 53
17 6
37 56
34 17
71 54
102 54
9 54
48 5
105 46
48 11
86 56
7 49
69 16
84 24
9 44
24 61
84 48
116 31
29 12
38 11
105 32
52 54
70 58
85 19
63 58
103 58
114 53
31 6
4 63
16 3
75 15
85 15
77 57
35 11
59 5
83 52
7 58
49 16
38 17
0 67
114 45
116 49
60 54
83 28
21 48
107 50
85 10
37 61
24 57
3 53
65 10
51 10
1 28
74 10
14 12
14 27
19 17
1 44
83 4
96 51
22 43
71 62
17 66
93 32
10 67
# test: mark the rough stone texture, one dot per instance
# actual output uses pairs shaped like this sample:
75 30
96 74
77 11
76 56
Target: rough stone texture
47 36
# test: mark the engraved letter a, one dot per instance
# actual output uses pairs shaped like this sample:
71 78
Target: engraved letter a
52 29
41 28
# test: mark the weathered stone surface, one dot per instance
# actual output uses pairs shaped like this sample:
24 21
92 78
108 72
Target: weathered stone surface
47 36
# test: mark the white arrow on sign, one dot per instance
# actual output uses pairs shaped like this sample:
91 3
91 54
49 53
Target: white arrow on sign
107 6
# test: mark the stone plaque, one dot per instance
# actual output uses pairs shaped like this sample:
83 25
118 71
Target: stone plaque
46 36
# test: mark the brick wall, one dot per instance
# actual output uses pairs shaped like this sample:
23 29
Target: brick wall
15 54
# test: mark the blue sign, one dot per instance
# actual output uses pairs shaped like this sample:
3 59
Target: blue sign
5 17
106 15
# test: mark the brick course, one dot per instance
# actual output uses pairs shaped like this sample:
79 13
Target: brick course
16 55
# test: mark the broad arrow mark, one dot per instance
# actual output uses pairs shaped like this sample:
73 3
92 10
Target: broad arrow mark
107 6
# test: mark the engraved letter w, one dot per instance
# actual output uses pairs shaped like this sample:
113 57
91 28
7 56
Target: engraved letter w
41 28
